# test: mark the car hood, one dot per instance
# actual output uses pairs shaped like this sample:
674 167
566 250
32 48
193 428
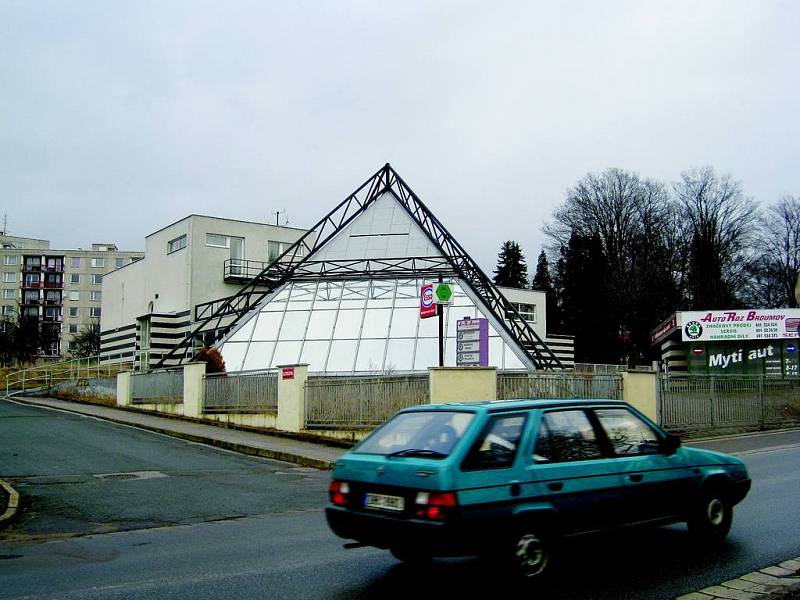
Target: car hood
701 456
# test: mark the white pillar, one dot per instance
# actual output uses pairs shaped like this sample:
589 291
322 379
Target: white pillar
193 389
124 389
291 397
639 390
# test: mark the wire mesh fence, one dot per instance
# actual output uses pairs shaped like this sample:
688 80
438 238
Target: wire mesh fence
700 402
243 392
157 387
360 402
558 385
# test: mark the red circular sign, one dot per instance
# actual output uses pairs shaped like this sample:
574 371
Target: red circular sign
427 296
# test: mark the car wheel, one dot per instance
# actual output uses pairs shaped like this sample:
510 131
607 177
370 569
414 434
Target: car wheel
531 555
711 516
412 557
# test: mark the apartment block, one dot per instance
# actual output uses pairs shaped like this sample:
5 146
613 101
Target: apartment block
62 289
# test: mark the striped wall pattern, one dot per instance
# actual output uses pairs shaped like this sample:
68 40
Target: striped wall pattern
166 330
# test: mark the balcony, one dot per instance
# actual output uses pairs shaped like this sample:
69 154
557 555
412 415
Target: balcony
53 285
51 318
31 302
53 269
31 285
31 268
52 302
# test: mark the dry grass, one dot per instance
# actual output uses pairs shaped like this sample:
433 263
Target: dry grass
99 400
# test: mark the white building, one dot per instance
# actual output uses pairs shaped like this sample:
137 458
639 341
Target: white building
149 304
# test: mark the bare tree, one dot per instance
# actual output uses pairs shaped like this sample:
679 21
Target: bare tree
719 222
779 260
633 219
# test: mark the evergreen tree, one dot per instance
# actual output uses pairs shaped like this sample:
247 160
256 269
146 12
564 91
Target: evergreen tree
585 303
543 282
512 270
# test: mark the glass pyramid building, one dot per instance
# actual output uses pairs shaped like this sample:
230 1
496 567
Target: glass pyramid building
345 298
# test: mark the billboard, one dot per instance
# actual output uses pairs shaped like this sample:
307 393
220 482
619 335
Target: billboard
730 325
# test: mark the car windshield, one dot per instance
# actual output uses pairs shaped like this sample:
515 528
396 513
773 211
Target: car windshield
429 434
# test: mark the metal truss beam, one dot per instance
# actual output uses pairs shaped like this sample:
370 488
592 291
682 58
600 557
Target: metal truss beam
221 315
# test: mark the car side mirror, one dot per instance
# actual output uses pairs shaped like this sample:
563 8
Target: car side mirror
671 444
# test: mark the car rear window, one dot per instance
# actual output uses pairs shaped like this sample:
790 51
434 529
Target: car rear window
429 434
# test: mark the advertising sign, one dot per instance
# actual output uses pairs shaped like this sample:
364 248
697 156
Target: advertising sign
427 307
729 325
472 343
287 373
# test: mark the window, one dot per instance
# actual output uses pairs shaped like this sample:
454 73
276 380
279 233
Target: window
73 312
30 297
32 280
275 249
96 296
76 262
8 310
119 263
97 279
565 436
9 277
217 241
74 296
497 446
73 328
526 311
9 293
94 312
628 434
98 263
176 244
430 434
10 259
74 278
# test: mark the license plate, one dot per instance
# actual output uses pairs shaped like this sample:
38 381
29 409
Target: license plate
384 502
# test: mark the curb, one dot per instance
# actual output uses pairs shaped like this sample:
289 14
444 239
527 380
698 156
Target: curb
769 583
13 503
303 461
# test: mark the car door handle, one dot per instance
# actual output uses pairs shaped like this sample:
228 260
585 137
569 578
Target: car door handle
555 486
516 488
636 478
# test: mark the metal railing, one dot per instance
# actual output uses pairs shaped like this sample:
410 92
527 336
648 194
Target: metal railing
558 385
242 392
164 386
360 402
46 375
706 402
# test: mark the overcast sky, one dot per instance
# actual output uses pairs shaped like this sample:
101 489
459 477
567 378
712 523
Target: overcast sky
117 118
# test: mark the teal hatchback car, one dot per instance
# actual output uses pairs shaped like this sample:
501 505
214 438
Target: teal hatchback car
510 479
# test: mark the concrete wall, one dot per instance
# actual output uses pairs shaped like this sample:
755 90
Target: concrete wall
462 384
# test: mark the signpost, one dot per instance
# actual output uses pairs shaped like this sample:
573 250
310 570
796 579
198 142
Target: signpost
472 343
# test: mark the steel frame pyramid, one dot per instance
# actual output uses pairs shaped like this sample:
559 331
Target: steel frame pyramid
214 319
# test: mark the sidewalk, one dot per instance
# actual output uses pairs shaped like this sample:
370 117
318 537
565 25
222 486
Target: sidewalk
259 444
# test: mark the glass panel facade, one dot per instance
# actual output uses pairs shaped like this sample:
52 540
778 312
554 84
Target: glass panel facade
353 326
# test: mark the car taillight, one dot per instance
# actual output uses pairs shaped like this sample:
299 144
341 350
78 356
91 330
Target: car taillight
338 491
436 506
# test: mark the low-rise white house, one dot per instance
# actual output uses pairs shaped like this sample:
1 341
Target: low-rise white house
148 305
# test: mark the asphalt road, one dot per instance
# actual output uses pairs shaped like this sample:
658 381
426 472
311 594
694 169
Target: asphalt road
214 524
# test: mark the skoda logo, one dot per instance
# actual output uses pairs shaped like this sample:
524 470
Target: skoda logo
693 330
